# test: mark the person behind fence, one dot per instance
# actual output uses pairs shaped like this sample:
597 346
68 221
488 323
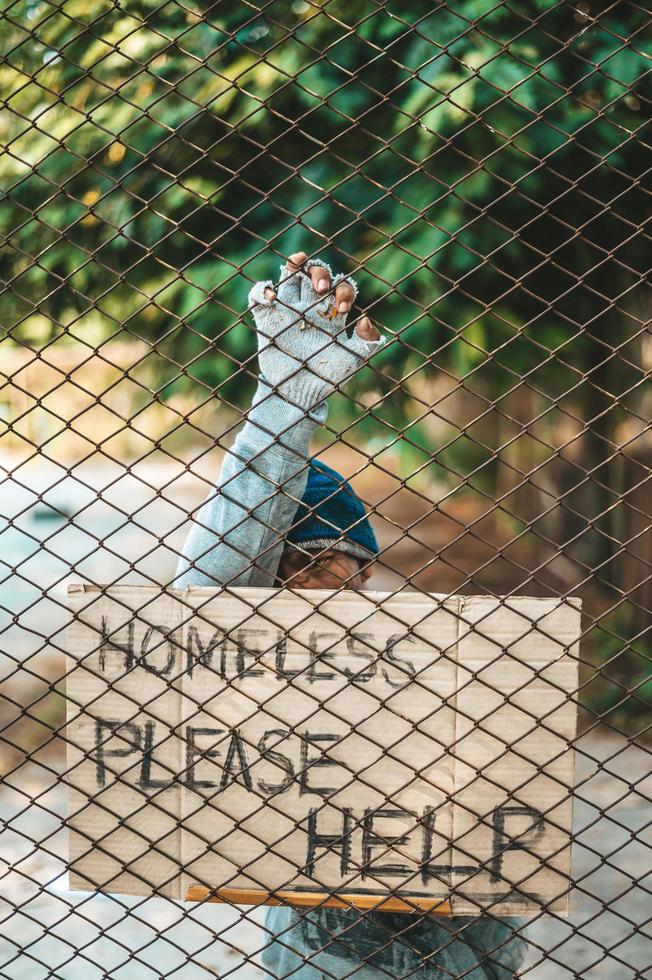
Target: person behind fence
279 518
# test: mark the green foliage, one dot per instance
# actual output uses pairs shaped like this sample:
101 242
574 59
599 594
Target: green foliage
618 684
477 162
481 165
146 140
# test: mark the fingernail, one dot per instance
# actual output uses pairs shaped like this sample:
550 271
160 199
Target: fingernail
270 294
322 285
343 307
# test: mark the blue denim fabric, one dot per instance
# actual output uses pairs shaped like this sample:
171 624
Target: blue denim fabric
337 943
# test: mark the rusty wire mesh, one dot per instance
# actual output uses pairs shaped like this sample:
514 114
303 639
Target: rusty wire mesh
483 170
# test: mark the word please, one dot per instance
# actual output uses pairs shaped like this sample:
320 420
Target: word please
225 753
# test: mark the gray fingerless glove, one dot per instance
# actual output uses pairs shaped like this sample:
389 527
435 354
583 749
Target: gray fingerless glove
304 353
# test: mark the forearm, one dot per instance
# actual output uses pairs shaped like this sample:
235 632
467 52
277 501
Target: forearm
305 354
237 535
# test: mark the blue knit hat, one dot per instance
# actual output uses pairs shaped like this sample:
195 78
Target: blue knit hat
331 515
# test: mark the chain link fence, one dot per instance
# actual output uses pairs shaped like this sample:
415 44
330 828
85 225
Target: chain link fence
482 170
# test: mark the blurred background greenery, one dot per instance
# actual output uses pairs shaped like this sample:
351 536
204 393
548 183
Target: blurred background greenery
484 171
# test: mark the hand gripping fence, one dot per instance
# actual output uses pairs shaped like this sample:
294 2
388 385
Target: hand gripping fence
436 765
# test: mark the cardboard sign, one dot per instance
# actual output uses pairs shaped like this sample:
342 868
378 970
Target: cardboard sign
396 752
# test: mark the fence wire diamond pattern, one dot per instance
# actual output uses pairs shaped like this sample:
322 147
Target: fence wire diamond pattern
482 170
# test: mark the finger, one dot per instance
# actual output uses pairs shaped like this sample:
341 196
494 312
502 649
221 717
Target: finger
344 296
296 262
314 294
346 290
339 303
320 276
289 286
366 330
261 294
265 309
366 339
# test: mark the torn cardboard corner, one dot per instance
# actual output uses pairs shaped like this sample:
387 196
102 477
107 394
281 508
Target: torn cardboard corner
363 749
